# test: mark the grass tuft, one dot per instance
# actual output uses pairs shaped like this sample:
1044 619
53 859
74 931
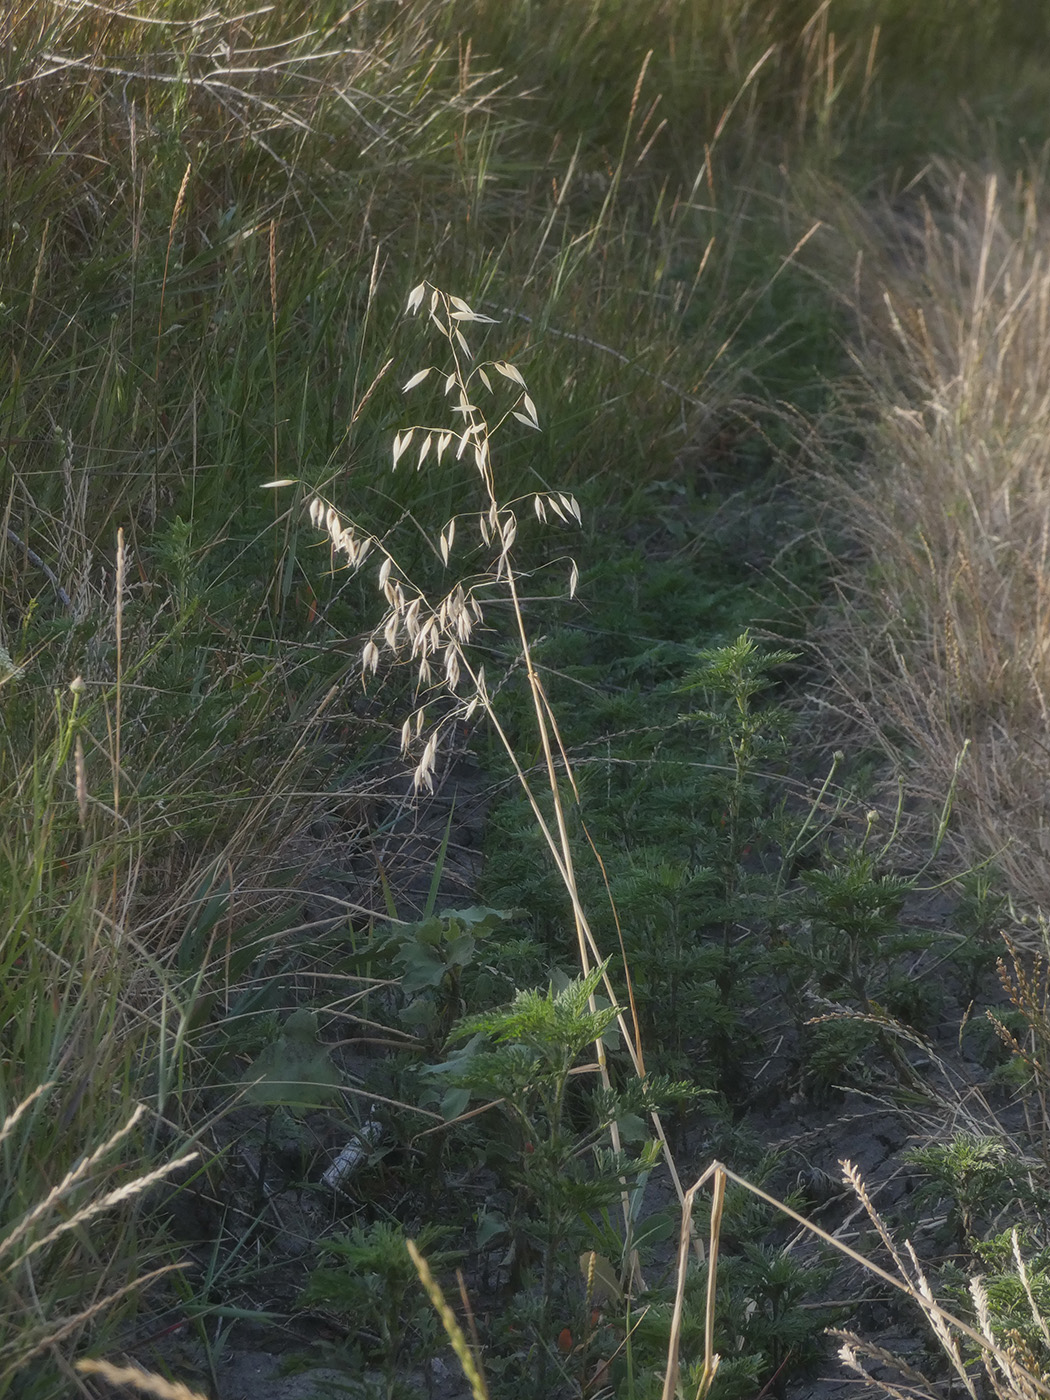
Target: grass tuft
943 643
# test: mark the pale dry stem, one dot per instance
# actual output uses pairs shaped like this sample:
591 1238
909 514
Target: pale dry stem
435 636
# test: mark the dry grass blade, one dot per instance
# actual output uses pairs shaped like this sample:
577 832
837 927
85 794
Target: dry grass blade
72 1177
145 1382
12 1119
28 1348
711 1359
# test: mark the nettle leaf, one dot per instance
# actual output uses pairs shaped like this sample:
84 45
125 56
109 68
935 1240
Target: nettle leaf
430 931
656 1228
419 1015
295 1070
459 1059
492 1225
454 1102
479 918
424 967
209 905
460 950
632 1128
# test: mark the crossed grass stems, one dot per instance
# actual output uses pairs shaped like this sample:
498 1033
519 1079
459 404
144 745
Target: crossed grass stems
436 637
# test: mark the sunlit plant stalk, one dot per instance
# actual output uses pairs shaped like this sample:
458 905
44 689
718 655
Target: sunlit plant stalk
435 635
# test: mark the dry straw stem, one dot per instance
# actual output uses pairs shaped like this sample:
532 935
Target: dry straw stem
717 1174
434 636
1010 1378
12 1119
946 639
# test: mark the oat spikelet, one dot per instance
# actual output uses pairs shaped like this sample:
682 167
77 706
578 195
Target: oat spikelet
273 272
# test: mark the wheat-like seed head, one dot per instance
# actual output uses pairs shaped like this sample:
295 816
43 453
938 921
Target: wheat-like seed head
145 1382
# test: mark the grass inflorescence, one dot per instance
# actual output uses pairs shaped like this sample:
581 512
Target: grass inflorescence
719 402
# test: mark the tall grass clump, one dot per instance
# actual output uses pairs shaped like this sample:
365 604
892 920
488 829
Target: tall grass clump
947 614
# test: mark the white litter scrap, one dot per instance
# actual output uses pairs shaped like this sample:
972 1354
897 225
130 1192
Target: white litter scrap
354 1154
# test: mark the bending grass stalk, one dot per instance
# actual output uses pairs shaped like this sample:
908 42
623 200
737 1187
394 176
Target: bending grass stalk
498 522
14 1252
78 1173
145 1382
561 851
104 1203
9 1123
585 940
562 856
470 1363
711 1360
548 726
38 563
115 737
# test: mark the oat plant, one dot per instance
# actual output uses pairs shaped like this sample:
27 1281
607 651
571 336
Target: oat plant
438 635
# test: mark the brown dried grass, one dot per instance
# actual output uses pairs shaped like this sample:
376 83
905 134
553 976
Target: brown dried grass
945 644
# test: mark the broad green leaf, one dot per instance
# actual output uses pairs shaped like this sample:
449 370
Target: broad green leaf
295 1070
454 1103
